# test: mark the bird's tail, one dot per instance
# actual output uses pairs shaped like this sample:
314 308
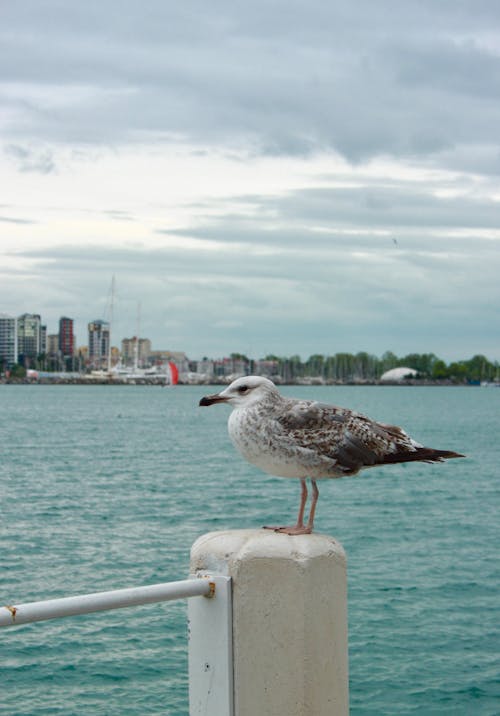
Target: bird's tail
422 454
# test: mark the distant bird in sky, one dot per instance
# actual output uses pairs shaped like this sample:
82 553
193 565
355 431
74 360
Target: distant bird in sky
308 439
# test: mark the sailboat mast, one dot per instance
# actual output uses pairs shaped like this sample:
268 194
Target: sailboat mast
136 344
111 320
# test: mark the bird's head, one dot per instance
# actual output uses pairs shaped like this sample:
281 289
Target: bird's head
243 392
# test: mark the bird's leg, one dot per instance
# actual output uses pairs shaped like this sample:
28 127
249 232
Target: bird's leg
303 500
299 528
312 510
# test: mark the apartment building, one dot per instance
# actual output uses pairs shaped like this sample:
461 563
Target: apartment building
8 339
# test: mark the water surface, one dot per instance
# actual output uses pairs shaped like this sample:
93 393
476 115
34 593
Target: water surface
108 486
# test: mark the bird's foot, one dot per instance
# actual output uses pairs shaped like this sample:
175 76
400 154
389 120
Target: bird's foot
293 530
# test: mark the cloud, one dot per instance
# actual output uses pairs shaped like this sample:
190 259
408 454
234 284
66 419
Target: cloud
244 171
119 215
334 291
372 211
358 79
31 160
15 220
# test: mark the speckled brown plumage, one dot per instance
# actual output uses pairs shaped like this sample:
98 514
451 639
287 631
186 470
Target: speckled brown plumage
304 438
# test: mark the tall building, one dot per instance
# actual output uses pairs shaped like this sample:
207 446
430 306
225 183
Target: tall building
98 343
31 338
54 361
8 339
43 339
53 344
129 348
66 337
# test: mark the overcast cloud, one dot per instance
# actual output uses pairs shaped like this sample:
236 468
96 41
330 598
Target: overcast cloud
285 177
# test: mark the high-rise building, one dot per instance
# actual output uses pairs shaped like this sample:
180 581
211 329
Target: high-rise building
31 338
43 339
53 344
131 346
54 361
98 343
8 339
66 337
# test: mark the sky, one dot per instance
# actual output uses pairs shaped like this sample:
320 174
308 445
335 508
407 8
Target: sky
270 177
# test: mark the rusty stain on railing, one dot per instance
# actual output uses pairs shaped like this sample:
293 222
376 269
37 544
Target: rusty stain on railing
12 610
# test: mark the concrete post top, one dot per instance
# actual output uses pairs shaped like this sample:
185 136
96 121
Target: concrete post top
217 551
289 619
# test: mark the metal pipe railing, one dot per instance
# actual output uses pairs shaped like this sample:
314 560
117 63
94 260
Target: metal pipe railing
272 640
13 615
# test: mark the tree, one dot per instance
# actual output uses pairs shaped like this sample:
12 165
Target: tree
238 356
344 363
315 365
389 360
17 371
421 362
440 370
365 366
479 368
458 371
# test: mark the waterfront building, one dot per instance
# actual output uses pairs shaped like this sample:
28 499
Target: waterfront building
82 357
115 355
229 367
129 347
43 339
179 358
8 339
53 355
54 362
267 368
31 339
66 337
98 348
53 344
205 367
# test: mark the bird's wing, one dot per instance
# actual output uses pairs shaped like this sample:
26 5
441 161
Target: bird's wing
348 438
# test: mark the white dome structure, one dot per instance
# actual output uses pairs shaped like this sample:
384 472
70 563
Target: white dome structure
397 375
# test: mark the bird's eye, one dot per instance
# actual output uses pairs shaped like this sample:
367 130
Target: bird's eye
243 389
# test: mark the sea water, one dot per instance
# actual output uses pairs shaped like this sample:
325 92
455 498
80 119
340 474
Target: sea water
104 487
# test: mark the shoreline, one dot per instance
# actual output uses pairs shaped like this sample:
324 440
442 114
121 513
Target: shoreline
313 382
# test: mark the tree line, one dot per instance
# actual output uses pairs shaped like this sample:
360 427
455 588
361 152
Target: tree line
362 366
355 367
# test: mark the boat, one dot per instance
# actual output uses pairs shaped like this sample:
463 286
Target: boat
166 374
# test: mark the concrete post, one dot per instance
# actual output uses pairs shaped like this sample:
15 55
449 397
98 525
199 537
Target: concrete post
289 620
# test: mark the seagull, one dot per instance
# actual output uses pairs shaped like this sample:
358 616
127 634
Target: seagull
308 439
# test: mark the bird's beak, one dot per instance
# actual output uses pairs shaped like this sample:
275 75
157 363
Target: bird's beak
211 399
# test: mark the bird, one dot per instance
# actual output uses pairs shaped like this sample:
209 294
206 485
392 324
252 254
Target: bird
307 439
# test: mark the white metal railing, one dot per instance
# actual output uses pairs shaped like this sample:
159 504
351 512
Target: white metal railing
282 606
210 630
13 615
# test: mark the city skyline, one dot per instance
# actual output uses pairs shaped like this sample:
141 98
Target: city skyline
100 349
264 178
